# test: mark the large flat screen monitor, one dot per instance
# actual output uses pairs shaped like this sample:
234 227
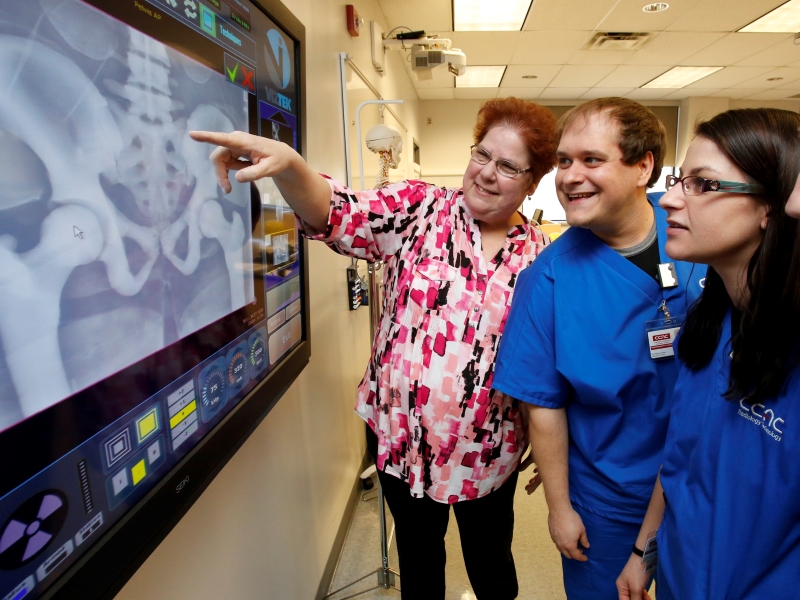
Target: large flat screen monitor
147 320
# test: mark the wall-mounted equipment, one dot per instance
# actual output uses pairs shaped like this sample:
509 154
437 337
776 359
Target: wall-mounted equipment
354 22
427 53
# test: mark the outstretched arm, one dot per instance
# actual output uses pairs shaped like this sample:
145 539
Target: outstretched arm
631 582
254 157
550 443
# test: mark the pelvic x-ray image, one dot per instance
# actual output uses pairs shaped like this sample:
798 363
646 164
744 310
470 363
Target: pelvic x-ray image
115 239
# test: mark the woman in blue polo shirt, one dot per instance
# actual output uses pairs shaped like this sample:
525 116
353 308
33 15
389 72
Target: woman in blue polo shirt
729 488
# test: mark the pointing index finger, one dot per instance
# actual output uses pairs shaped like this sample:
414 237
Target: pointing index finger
211 137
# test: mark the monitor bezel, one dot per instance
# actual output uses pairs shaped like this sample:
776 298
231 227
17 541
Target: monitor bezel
105 569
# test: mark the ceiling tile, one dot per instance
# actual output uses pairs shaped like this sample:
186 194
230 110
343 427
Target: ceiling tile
560 93
441 79
728 77
631 76
688 92
792 85
600 57
732 48
581 75
788 75
628 15
526 93
771 95
605 92
484 47
778 55
544 75
552 15
433 94
736 93
671 47
429 15
475 93
548 47
648 94
723 15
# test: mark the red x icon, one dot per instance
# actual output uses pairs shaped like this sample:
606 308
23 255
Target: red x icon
248 78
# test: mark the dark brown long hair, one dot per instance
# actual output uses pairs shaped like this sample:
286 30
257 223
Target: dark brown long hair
764 144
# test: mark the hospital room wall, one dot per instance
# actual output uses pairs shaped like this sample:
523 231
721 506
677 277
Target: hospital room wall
447 130
267 525
698 109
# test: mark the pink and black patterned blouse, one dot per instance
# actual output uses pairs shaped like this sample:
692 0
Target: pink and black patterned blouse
427 392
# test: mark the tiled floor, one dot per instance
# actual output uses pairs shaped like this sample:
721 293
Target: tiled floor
537 560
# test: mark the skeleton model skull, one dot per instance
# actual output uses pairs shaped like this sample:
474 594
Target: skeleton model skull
107 208
387 143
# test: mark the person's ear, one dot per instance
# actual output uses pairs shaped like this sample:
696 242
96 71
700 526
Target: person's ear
764 222
646 166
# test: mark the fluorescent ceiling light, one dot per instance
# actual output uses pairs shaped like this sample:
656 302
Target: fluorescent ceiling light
483 15
678 77
784 19
481 77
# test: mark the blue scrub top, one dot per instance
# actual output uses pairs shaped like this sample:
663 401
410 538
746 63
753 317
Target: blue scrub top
731 478
576 338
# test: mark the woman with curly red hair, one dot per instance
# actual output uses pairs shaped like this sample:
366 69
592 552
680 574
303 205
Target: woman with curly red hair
440 434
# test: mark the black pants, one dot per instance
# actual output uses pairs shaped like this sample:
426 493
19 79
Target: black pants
486 527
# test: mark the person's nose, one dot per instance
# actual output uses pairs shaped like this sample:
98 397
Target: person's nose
674 198
571 174
489 171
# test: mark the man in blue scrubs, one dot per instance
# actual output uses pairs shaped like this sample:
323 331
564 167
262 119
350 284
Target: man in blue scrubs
588 344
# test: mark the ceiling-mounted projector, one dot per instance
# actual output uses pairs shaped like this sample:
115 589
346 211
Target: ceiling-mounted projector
424 60
430 53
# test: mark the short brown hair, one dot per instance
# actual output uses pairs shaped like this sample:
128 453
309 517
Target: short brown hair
640 131
535 124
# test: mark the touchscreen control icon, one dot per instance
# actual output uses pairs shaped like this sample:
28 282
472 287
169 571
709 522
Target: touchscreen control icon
182 411
237 369
31 528
22 590
213 388
135 471
117 447
55 559
258 352
147 425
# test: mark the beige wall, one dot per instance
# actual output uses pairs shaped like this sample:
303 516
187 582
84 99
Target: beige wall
266 525
447 130
703 108
446 138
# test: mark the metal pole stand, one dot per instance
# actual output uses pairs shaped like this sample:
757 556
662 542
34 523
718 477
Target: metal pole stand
387 576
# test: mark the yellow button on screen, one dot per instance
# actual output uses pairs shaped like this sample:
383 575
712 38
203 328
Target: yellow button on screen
138 472
146 425
182 414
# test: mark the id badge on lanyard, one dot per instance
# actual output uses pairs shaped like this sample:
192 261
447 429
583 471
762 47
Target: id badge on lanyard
661 333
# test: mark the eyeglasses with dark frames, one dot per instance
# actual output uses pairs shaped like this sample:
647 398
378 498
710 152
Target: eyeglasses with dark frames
694 185
504 167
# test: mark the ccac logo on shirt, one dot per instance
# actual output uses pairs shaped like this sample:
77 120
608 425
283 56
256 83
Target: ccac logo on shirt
763 416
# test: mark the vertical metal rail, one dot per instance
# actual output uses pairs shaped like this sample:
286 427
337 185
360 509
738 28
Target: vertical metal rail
387 576
343 58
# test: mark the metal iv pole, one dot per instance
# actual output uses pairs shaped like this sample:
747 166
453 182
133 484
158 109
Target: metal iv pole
386 575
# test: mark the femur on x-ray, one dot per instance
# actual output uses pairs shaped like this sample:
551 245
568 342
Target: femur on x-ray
115 240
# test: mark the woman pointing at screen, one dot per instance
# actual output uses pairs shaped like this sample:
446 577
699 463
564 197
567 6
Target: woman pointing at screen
441 436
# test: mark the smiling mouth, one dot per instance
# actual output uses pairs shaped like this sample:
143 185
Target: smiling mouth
485 191
581 196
